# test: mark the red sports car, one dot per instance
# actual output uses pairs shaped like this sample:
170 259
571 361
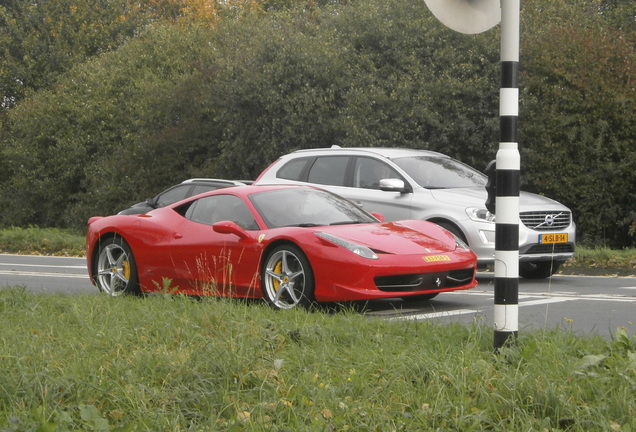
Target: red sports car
291 245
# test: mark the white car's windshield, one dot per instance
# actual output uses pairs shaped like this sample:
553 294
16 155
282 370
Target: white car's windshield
433 172
306 207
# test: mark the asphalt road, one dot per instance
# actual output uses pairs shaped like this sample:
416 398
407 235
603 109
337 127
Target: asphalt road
581 304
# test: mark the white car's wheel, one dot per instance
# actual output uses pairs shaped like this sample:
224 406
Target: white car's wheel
539 269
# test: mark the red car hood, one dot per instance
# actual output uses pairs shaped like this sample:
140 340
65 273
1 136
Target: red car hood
403 237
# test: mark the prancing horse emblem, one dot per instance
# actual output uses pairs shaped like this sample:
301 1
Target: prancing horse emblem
438 282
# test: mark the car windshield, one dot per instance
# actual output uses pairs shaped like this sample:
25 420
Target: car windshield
306 207
435 172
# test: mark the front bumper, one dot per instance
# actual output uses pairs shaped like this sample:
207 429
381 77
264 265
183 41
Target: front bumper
482 242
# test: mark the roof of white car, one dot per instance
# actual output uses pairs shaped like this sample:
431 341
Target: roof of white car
387 152
213 180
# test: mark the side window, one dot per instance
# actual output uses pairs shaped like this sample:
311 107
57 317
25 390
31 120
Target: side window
213 209
202 188
293 169
368 173
173 195
329 170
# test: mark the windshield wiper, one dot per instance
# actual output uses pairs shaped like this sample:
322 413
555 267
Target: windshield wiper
346 223
305 225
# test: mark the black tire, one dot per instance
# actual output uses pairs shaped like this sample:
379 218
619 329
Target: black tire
453 229
115 270
421 297
287 279
539 269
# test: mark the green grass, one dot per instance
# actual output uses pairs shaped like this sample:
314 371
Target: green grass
169 363
604 261
42 241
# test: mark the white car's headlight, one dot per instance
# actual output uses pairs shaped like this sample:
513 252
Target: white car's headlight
480 214
357 249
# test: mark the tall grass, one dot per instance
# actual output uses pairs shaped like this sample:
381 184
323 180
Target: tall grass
171 363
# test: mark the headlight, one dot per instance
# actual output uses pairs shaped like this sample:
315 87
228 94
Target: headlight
357 249
480 215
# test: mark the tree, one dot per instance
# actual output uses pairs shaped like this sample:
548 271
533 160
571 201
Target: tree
223 95
78 149
580 121
40 40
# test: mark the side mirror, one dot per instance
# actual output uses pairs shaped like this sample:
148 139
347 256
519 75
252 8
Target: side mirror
152 202
392 185
491 186
378 216
229 227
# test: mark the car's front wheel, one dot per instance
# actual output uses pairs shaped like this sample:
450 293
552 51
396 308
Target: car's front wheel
539 269
287 278
115 270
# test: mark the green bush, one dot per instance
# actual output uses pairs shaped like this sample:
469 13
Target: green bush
225 101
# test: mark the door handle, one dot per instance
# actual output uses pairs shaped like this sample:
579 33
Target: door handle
178 235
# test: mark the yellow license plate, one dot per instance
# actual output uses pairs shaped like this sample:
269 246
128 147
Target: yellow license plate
436 258
553 238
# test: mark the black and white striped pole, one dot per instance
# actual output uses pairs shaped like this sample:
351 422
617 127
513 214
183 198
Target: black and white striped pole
476 16
507 186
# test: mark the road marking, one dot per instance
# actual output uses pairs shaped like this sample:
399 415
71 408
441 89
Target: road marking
59 275
41 265
545 301
425 316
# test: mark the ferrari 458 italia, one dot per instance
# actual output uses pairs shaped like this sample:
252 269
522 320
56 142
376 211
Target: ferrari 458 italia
291 245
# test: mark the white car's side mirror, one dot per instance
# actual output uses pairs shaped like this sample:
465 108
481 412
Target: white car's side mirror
392 185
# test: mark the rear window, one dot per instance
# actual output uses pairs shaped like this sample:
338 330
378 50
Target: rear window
293 169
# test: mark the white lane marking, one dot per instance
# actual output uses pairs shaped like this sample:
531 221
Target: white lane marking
59 275
425 316
41 265
42 256
561 294
545 301
541 301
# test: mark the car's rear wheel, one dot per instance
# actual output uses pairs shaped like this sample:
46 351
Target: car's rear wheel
539 269
287 278
115 270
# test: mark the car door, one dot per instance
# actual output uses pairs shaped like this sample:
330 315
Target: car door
364 190
208 262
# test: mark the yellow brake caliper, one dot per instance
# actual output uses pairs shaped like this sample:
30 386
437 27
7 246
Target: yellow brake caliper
127 270
279 270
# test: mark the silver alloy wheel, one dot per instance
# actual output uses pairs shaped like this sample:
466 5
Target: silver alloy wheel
284 282
113 269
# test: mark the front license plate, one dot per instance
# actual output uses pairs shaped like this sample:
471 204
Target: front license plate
436 258
553 238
